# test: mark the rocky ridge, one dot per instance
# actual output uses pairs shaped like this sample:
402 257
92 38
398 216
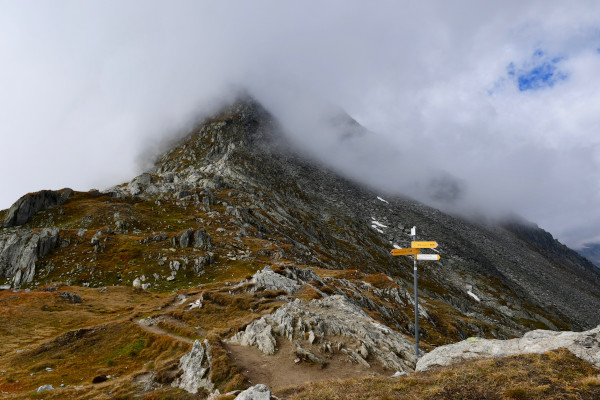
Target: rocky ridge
585 345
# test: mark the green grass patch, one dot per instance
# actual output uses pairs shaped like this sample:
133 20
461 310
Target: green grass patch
131 349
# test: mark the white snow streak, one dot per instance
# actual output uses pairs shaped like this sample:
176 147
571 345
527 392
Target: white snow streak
473 295
379 224
376 228
385 201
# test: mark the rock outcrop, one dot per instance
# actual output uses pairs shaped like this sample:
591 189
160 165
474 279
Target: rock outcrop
333 325
21 249
196 367
24 208
257 392
585 345
267 279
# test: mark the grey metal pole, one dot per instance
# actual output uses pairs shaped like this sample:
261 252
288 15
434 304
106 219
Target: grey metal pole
416 300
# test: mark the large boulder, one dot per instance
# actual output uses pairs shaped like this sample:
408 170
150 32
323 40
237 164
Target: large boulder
196 367
333 325
585 345
20 250
24 208
267 279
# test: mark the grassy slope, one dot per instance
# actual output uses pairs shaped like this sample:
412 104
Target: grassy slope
554 375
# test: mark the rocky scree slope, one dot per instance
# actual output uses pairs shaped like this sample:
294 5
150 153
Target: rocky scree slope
233 200
329 222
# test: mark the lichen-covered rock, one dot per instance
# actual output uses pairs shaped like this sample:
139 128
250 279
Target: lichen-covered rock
335 323
202 240
196 367
21 249
257 392
186 238
24 208
266 279
585 345
260 334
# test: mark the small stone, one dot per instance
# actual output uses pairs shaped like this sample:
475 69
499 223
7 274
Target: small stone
44 388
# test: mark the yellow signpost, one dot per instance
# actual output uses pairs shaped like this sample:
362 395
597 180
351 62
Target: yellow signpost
414 251
423 245
405 252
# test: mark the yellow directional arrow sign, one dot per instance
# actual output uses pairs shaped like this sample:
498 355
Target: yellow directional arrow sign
404 252
428 257
423 245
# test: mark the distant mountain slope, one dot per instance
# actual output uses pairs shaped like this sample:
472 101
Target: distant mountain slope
591 251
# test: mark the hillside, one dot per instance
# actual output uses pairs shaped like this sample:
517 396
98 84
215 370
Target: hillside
236 239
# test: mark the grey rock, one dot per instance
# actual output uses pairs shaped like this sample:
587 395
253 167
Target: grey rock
186 238
24 208
260 334
202 240
257 392
333 318
203 261
155 238
70 297
196 366
585 345
267 279
44 388
21 249
309 355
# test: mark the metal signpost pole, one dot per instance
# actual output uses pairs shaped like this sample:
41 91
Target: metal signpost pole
415 249
414 238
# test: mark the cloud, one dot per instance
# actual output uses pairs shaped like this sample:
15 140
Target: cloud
485 105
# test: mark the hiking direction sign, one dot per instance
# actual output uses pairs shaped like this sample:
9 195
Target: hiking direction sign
405 252
415 250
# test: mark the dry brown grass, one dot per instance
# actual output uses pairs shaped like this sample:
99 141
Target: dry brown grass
551 376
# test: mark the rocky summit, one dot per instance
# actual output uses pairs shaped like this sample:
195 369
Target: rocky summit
238 267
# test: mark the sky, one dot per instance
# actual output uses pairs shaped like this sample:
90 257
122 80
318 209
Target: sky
484 107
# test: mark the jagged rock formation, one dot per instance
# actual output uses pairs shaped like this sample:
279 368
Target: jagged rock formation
335 325
21 249
585 345
266 279
24 208
196 367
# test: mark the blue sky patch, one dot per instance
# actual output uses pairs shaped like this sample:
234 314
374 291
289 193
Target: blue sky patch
541 72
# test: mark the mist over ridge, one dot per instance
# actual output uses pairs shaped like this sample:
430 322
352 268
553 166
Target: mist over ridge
491 110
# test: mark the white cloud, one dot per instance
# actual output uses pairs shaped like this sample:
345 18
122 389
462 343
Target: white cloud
89 86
